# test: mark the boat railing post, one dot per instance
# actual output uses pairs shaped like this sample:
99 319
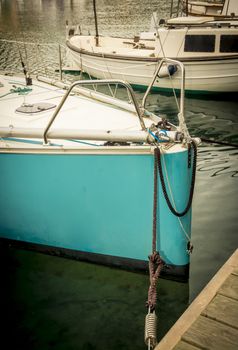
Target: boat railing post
60 63
96 82
151 83
182 86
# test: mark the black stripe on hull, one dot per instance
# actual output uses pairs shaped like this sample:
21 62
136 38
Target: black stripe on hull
172 272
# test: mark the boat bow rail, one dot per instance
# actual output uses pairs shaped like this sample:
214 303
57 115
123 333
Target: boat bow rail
147 133
96 82
165 61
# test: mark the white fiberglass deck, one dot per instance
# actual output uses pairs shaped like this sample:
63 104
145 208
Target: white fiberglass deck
78 112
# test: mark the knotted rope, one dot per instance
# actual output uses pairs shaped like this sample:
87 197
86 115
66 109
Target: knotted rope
155 262
155 266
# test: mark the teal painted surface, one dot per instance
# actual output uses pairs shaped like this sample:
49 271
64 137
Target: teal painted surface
93 203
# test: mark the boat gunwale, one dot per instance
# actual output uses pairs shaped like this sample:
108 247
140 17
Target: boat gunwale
147 59
92 150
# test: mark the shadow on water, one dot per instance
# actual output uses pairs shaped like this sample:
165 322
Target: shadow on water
56 303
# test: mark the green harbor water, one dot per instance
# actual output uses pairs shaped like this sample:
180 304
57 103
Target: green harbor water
54 303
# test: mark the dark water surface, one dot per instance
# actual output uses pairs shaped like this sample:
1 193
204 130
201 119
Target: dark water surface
54 303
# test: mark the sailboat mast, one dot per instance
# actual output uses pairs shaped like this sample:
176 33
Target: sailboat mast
96 22
186 7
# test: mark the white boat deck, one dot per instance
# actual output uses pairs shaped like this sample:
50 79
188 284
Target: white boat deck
115 46
78 112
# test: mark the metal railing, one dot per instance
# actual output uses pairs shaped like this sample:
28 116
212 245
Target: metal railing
96 82
176 8
182 86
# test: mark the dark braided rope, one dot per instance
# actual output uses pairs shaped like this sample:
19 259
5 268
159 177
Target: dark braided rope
189 203
155 198
155 266
155 262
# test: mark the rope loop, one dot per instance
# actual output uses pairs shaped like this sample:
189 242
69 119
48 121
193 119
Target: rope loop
155 266
166 196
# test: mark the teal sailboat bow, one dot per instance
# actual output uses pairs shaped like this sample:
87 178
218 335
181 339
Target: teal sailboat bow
91 177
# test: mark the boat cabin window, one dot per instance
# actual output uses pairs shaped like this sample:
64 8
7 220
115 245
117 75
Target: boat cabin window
229 43
199 43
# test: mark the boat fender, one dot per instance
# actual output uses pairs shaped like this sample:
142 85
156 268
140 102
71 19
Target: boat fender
162 22
167 71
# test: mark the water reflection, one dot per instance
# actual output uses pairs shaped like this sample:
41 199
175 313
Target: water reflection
218 161
54 302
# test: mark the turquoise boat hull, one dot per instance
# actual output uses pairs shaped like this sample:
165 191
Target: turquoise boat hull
95 207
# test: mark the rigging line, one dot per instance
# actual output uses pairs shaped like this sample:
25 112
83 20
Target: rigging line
124 77
113 94
223 143
183 40
162 49
90 77
110 74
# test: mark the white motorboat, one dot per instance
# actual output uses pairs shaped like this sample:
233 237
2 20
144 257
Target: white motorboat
207 47
222 8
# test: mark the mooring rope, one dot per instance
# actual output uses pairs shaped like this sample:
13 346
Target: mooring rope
155 266
166 196
222 143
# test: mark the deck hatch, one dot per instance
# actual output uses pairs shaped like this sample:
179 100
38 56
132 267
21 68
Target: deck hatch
35 108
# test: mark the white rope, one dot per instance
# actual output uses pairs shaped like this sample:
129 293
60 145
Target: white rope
113 94
182 123
170 78
93 85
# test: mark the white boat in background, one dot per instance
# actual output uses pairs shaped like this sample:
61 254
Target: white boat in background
207 47
224 8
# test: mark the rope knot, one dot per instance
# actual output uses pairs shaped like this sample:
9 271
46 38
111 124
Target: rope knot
155 266
155 258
